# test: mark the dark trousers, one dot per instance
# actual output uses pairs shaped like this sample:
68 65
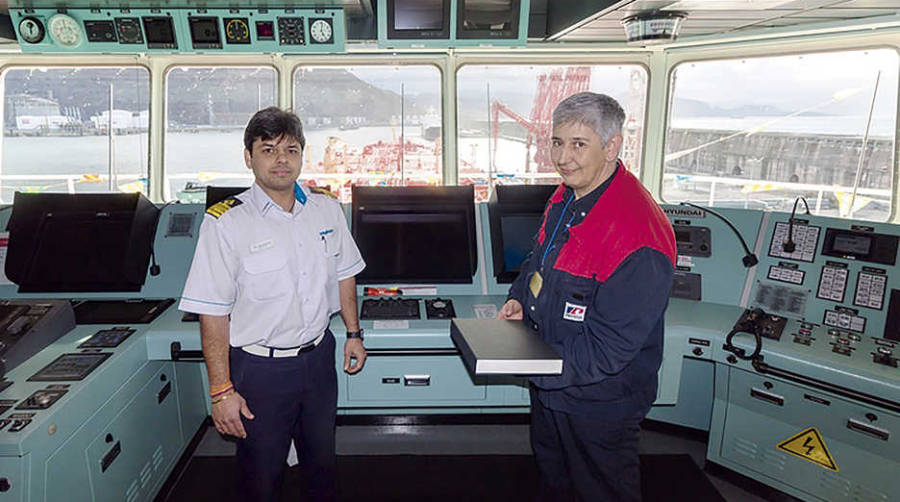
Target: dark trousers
291 398
582 458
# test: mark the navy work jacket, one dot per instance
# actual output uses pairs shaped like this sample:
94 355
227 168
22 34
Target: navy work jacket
605 263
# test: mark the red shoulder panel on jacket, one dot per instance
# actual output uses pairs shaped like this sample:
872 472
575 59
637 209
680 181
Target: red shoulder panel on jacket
624 220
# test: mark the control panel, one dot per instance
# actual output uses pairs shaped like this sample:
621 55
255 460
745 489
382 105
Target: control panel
710 267
27 327
828 272
124 30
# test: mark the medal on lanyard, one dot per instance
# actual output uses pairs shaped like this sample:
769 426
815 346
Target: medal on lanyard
535 284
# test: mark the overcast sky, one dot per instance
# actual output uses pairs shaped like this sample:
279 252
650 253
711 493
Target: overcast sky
795 82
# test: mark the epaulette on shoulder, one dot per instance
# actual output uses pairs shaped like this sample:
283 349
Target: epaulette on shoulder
219 208
322 191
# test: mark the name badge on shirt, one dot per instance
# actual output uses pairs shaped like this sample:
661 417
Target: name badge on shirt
535 284
574 312
260 246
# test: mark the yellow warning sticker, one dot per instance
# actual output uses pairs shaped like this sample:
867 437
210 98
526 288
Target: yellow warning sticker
809 445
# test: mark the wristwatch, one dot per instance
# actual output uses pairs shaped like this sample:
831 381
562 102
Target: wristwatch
355 334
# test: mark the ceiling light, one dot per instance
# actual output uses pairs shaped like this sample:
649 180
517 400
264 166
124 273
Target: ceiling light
653 27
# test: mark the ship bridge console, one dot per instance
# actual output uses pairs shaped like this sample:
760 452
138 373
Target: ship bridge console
764 341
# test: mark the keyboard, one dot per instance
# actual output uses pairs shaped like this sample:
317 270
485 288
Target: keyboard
389 308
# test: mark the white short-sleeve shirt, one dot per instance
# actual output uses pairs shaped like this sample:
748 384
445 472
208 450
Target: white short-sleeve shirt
274 272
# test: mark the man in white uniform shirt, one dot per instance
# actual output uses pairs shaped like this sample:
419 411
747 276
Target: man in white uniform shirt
272 265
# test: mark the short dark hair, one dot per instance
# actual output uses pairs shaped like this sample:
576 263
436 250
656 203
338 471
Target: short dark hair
273 122
600 112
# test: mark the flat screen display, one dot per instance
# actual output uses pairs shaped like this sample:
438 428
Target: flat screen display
518 232
852 244
418 19
413 246
515 213
160 32
415 235
80 242
488 19
205 32
418 14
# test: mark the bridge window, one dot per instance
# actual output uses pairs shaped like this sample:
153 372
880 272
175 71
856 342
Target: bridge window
504 119
759 132
74 130
370 125
207 109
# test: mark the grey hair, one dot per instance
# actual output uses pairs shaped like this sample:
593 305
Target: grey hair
600 112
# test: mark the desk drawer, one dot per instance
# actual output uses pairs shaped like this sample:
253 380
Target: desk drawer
412 380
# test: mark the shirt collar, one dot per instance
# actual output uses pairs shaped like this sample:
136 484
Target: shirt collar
261 200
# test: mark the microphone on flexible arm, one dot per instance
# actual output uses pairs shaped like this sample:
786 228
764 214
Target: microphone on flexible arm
789 245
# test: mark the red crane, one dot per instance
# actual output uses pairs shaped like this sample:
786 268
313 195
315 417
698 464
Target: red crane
553 87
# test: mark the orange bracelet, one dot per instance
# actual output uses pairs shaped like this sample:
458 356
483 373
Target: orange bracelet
215 389
223 391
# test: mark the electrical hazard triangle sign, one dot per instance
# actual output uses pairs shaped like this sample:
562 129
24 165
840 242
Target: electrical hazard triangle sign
809 445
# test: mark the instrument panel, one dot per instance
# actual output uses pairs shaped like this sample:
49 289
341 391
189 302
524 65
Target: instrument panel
287 30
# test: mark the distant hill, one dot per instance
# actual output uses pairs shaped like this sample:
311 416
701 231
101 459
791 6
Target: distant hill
685 108
209 97
336 93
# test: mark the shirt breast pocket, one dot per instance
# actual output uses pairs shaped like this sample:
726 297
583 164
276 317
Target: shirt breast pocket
330 245
266 275
576 298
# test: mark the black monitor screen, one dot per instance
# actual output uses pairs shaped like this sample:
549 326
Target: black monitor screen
518 232
415 235
516 212
488 19
160 32
217 194
418 19
81 242
205 32
418 15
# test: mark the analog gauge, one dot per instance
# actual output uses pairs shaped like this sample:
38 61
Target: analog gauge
65 30
129 29
320 31
31 30
237 31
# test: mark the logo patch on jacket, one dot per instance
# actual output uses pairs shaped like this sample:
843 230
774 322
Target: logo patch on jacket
574 312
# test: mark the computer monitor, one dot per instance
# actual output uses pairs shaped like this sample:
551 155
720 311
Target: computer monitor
415 235
488 19
515 212
418 19
80 242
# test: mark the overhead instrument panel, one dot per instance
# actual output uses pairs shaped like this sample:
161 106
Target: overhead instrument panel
830 272
291 30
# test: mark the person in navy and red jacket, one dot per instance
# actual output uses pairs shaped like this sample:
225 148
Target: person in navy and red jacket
595 287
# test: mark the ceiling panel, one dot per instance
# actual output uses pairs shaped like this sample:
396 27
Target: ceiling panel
844 13
740 15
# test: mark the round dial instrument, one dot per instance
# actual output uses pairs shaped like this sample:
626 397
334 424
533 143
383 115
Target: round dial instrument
65 30
237 31
320 31
31 30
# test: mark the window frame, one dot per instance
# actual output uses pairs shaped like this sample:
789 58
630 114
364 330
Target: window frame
772 48
614 57
199 62
26 62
